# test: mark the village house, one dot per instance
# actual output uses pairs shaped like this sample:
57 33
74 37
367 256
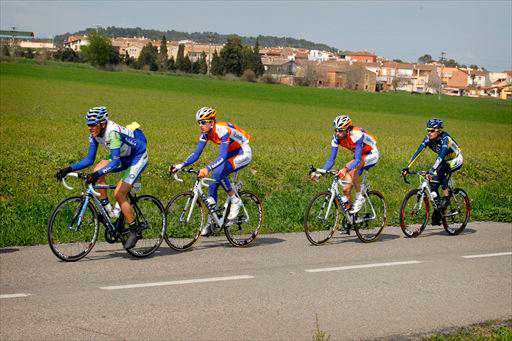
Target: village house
455 81
76 42
36 45
366 57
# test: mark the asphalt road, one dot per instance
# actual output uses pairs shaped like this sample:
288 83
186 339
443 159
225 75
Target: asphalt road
273 290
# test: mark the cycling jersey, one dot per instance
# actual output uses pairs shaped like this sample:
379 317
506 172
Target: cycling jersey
127 148
360 142
230 138
446 148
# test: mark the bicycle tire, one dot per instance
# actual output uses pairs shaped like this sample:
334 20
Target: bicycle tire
181 236
413 215
245 229
62 239
459 198
317 233
153 220
369 230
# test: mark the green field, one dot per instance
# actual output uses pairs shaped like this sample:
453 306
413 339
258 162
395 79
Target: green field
42 127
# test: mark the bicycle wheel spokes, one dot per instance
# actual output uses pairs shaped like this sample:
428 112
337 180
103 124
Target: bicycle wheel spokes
150 216
320 221
370 222
414 213
456 215
71 234
183 227
245 228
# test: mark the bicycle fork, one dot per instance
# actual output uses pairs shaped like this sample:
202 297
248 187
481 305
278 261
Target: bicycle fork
79 213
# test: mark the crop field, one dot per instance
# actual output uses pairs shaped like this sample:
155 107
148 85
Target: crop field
42 128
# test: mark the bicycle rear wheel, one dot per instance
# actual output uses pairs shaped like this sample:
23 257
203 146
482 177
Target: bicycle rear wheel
370 222
456 215
150 215
319 226
181 233
245 228
68 240
414 213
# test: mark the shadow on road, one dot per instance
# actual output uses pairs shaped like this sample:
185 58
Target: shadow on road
8 250
352 238
440 231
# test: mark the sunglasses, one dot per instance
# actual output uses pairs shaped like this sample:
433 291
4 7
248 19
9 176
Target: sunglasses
340 130
431 130
203 122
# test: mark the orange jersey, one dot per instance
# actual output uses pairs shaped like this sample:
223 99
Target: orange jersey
229 132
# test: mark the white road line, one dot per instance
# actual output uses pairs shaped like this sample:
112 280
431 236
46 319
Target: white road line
14 295
186 281
350 267
489 255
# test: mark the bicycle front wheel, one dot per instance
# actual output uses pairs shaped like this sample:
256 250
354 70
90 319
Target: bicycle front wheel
456 215
150 215
184 225
245 228
414 213
320 222
370 220
72 229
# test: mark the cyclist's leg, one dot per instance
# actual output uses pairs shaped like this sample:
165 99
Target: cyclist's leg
130 175
101 180
237 162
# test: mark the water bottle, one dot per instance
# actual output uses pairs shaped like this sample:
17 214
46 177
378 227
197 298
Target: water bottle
108 208
116 211
434 195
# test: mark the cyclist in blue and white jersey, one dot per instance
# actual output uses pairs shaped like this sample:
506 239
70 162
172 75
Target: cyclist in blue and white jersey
449 159
127 146
234 154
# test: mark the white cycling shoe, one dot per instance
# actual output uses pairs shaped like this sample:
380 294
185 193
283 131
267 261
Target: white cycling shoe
236 203
207 228
358 204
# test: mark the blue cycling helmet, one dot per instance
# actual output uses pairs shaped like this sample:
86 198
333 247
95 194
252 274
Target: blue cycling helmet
435 123
96 115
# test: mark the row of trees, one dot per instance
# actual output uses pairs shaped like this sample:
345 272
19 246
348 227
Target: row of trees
233 58
426 59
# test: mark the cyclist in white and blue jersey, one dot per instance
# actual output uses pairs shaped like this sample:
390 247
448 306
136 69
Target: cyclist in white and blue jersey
128 154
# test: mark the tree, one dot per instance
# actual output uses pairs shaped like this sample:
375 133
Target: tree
162 56
433 82
451 63
217 65
425 59
5 51
180 57
171 65
148 56
203 65
259 69
473 66
100 51
398 60
398 82
231 55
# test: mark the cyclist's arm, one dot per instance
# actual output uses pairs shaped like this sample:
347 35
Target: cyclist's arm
418 152
89 159
445 144
115 153
223 153
334 151
199 150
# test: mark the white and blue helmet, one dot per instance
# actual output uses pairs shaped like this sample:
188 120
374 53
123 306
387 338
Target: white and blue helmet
96 115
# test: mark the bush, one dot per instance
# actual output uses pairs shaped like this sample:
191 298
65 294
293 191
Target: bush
266 78
248 76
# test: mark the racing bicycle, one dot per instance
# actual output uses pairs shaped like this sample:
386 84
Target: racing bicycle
415 208
73 226
326 213
187 213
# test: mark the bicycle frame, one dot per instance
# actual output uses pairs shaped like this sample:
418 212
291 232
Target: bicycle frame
335 193
198 193
424 187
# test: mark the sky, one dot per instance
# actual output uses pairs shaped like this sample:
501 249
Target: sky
470 32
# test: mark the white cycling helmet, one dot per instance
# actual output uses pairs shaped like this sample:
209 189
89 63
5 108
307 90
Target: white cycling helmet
96 115
342 122
205 113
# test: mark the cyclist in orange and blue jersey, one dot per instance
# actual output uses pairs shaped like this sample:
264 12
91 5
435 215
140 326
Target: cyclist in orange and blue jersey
366 155
449 159
234 154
